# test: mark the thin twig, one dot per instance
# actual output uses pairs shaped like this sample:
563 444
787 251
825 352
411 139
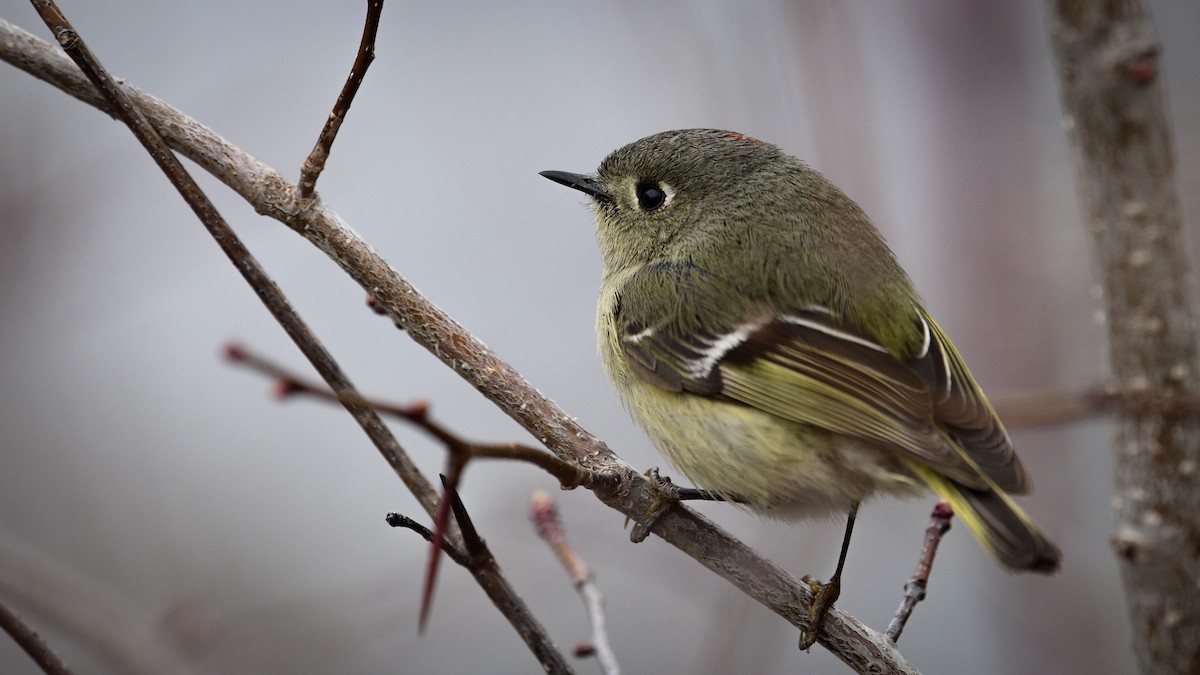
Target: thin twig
86 611
31 642
1045 408
1036 408
311 170
914 590
417 414
403 521
860 647
544 514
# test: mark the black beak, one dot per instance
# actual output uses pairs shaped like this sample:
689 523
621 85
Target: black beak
589 185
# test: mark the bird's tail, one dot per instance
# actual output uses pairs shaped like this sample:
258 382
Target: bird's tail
999 525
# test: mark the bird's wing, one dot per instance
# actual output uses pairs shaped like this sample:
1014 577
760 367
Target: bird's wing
808 366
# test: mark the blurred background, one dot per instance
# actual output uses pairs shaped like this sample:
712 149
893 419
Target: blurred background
153 495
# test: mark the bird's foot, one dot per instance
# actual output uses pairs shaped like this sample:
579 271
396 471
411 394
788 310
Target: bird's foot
666 495
824 595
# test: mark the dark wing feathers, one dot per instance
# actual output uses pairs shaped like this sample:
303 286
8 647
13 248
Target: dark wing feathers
674 364
963 410
810 368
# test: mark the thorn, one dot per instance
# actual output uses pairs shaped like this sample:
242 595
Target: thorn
440 523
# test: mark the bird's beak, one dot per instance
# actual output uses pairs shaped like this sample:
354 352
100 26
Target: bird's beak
589 185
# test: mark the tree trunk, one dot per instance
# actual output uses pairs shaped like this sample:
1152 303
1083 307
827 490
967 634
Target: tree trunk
1109 71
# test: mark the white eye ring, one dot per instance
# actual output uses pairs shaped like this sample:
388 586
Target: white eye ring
652 196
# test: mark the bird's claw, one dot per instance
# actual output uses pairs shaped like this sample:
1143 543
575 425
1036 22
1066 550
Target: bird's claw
824 595
666 495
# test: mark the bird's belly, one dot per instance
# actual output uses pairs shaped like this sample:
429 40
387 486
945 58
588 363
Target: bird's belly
781 468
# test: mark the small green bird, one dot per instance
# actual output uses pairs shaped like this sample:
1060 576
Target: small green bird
761 332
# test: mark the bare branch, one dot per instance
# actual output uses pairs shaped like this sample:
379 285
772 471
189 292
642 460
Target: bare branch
1048 407
85 610
311 170
31 642
417 414
459 453
1109 69
914 590
400 520
623 489
544 514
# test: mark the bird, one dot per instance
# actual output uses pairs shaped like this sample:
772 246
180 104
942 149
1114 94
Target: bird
760 331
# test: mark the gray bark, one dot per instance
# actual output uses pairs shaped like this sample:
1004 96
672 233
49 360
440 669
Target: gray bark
1113 98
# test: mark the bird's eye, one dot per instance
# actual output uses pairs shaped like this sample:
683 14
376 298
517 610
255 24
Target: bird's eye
650 196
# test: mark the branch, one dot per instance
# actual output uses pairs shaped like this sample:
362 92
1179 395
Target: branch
544 514
1113 97
417 414
311 170
86 611
1047 407
624 489
31 642
482 565
914 590
459 453
399 520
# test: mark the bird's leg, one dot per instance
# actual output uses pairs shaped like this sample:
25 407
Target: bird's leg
696 494
825 594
